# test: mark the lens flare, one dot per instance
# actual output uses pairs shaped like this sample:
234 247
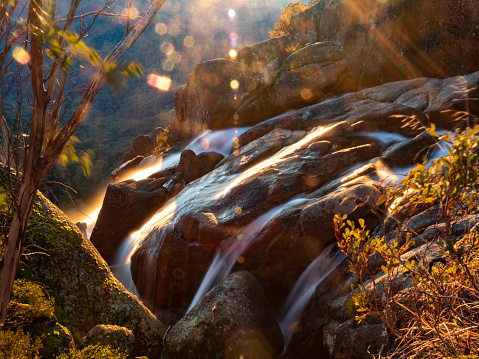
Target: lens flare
306 94
205 143
189 41
168 65
175 57
233 54
234 84
161 28
133 12
233 39
21 55
161 83
231 13
167 48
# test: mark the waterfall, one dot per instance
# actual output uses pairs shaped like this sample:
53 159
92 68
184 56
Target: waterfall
303 290
224 260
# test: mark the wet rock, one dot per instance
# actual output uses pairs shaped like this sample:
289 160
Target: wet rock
303 232
260 149
112 335
192 166
126 206
174 271
320 147
126 168
234 319
409 151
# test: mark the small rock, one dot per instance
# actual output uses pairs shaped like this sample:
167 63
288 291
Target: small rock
113 335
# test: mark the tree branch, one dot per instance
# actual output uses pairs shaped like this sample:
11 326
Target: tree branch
55 148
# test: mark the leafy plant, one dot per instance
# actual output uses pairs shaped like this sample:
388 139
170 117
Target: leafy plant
283 26
96 351
18 345
430 307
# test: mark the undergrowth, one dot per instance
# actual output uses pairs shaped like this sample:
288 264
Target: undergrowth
423 285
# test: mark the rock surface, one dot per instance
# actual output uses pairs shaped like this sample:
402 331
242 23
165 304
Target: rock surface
233 320
86 292
126 206
112 335
300 152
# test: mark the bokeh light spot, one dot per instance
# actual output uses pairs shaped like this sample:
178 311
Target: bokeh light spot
189 41
234 84
173 29
21 55
205 143
160 28
175 57
236 143
162 83
239 236
167 48
306 94
238 210
233 54
133 12
231 13
168 65
240 259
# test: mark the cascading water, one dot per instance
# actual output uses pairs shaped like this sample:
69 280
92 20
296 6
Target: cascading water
219 141
224 260
303 290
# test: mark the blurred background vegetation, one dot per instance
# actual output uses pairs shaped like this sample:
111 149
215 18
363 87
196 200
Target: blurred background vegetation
183 34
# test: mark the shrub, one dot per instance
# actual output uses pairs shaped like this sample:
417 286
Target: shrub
430 307
28 303
94 352
283 26
18 345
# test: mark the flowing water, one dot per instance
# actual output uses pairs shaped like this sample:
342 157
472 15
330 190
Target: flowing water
303 290
225 259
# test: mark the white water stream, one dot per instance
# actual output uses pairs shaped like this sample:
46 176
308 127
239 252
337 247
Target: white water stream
303 290
213 188
225 259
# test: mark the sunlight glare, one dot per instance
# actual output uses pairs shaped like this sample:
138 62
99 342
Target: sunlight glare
233 54
162 83
234 84
279 157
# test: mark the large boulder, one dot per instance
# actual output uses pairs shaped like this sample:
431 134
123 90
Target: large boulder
86 292
213 92
126 206
233 320
192 166
395 40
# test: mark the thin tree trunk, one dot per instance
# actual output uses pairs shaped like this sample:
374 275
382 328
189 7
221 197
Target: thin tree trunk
15 244
36 165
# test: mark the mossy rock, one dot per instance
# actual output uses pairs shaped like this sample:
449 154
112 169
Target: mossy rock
86 292
110 335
